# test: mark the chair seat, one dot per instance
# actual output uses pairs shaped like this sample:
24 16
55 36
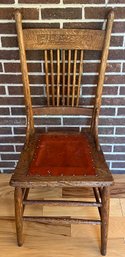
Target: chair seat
61 159
62 155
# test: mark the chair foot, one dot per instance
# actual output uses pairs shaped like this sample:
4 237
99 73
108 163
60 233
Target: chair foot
103 252
19 215
105 219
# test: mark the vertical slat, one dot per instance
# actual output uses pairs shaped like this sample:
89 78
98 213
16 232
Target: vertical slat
63 88
74 77
68 86
47 78
52 77
79 78
58 77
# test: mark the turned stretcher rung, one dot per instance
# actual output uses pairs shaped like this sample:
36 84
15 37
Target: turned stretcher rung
61 220
61 202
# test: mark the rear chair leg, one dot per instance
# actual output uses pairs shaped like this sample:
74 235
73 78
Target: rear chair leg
19 215
105 218
25 195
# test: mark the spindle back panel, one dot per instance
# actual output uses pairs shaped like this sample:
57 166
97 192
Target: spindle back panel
63 71
63 58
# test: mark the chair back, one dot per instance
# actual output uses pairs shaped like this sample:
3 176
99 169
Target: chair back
63 55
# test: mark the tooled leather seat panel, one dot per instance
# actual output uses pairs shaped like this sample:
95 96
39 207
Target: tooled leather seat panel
62 155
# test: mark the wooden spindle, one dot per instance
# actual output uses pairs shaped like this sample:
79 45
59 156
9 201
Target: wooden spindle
58 77
74 77
79 78
47 78
68 86
63 88
52 77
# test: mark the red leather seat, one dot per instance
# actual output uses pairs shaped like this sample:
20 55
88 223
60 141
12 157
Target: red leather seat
62 155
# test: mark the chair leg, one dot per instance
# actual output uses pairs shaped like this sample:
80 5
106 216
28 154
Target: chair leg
19 215
25 196
104 218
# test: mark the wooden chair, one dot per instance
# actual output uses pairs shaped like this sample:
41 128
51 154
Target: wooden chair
63 159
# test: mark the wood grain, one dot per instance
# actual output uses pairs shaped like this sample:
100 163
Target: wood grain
63 38
25 78
62 111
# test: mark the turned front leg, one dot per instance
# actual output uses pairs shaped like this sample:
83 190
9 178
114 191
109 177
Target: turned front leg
19 215
105 218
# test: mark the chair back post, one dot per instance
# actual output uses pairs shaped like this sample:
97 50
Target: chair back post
95 117
25 78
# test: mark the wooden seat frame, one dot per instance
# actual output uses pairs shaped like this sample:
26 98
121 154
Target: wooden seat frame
44 39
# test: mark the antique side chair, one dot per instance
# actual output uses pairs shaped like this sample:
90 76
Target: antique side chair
62 159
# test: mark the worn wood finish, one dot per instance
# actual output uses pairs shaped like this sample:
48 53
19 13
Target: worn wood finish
63 77
25 78
97 200
79 79
105 46
58 77
104 59
62 203
63 87
52 77
47 78
117 191
67 38
74 77
100 192
105 219
18 215
25 196
68 86
62 111
61 220
97 106
20 177
63 53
